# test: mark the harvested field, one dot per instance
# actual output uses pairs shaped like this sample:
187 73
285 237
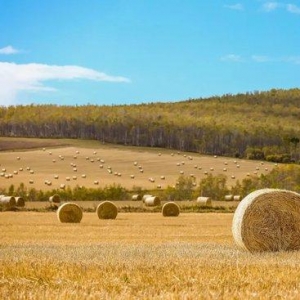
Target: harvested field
137 256
92 162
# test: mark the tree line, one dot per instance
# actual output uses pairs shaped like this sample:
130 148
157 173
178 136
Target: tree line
256 125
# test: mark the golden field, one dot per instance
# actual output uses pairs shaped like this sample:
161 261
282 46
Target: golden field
137 256
69 158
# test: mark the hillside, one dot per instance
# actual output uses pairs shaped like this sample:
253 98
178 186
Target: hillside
259 125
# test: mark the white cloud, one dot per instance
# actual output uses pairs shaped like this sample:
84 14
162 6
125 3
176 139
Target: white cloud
31 77
8 50
270 6
232 57
237 6
260 58
293 8
292 59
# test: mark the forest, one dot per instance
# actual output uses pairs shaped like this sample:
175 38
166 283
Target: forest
255 125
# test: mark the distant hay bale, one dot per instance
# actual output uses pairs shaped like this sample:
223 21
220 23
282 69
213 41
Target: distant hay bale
54 200
62 186
69 213
96 182
268 220
146 196
228 197
107 210
170 209
152 201
20 202
136 197
31 181
236 197
204 201
83 176
7 201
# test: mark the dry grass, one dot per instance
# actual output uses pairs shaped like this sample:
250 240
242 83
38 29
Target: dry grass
137 256
120 160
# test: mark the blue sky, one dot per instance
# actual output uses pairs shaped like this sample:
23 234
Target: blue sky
71 52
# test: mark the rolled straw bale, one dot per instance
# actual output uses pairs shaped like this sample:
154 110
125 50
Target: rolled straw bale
136 197
54 200
228 197
152 201
236 197
7 201
146 196
107 210
69 213
170 209
204 201
268 220
20 202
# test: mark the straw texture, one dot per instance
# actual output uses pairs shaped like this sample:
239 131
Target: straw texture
107 210
69 213
170 209
268 220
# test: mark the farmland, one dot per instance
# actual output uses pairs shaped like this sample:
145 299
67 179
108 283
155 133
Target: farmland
93 164
137 256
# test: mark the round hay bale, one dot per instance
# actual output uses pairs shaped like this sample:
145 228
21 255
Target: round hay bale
7 201
170 209
228 197
204 201
69 213
107 210
268 220
146 196
54 200
152 201
20 202
236 197
136 197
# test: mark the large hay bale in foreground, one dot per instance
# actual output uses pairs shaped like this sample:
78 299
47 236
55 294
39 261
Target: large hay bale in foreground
20 202
268 220
7 201
107 210
204 201
152 201
69 213
54 200
170 209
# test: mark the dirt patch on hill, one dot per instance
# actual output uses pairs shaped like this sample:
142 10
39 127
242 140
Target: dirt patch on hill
8 144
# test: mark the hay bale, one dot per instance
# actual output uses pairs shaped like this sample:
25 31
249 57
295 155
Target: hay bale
170 209
136 197
69 213
7 201
228 197
204 201
20 202
107 210
146 196
268 220
54 200
236 197
152 201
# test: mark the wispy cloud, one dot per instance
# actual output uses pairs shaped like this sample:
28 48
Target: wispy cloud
294 9
260 58
32 77
270 6
9 50
237 6
232 58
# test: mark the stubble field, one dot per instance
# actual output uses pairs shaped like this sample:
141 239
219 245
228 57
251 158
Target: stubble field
137 256
74 162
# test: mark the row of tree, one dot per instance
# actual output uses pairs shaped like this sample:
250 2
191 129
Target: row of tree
264 125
